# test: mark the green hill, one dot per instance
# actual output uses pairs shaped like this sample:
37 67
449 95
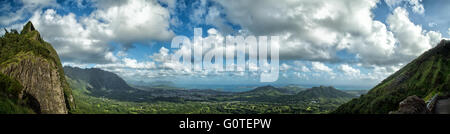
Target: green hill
425 76
25 58
284 95
324 92
327 94
98 79
267 91
294 89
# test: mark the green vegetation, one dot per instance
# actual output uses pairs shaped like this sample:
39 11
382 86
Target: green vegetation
9 86
262 100
90 104
9 93
12 43
425 76
15 46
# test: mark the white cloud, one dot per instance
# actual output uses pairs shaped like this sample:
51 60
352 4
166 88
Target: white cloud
132 21
348 70
305 69
434 37
75 65
164 60
17 27
376 48
300 66
70 39
162 56
320 67
448 32
86 39
316 30
128 63
284 67
413 41
379 73
415 5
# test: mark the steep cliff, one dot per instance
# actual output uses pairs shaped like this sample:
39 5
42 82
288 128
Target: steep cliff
27 58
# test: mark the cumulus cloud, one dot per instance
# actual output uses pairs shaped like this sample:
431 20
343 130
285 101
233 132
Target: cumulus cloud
70 39
86 39
305 69
415 5
376 48
316 30
130 22
320 67
412 39
300 66
379 73
348 70
214 18
11 15
284 67
129 64
162 56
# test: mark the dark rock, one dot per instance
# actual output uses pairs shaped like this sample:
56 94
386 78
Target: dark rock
41 81
28 28
412 105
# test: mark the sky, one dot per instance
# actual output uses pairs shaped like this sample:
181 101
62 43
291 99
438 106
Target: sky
343 43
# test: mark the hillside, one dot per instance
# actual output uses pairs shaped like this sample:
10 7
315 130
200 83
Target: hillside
425 76
100 83
294 89
327 94
268 91
284 95
98 79
25 58
324 92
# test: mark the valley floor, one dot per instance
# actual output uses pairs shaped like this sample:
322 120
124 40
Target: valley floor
87 104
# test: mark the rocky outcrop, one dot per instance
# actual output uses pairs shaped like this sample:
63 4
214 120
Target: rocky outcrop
36 66
412 105
41 82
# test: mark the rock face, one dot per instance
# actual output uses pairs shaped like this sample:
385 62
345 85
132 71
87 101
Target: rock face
427 74
412 105
36 66
41 81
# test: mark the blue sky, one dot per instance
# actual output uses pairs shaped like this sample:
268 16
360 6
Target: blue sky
344 43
